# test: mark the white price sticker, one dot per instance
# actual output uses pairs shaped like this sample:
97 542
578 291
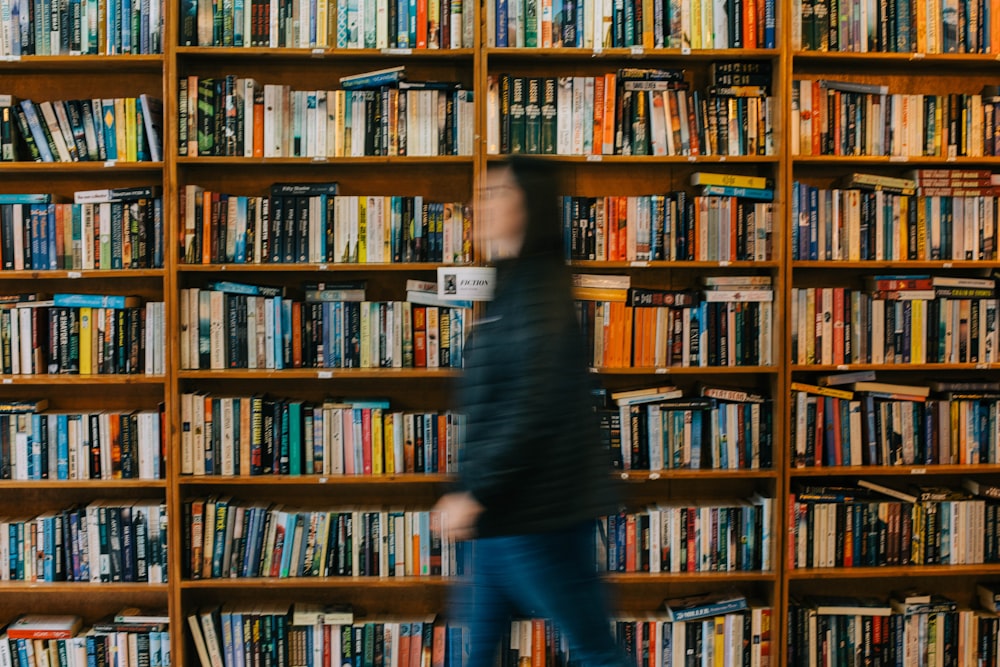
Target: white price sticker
324 375
660 371
919 56
685 50
692 158
918 471
842 367
899 158
108 164
323 480
8 380
947 265
397 52
654 475
324 267
637 51
318 53
594 158
320 158
724 262
640 264
74 274
10 59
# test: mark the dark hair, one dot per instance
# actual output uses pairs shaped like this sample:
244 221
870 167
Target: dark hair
543 233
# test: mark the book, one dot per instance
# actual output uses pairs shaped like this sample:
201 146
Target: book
697 607
44 626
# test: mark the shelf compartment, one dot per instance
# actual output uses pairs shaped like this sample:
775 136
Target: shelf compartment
900 264
687 370
320 53
647 578
909 368
309 268
650 159
90 63
319 162
852 58
638 476
359 481
813 574
83 484
81 379
665 264
901 471
322 374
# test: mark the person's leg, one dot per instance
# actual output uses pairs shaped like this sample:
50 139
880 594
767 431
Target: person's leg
556 579
483 603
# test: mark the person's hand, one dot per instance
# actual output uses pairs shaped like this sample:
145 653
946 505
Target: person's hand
459 514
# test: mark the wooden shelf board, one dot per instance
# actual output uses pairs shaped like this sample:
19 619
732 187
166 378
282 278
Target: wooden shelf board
893 264
80 588
664 264
79 167
884 471
688 370
320 53
91 64
683 473
650 159
315 480
438 160
893 572
646 578
875 160
95 484
307 268
322 374
852 58
81 379
628 53
81 274
909 368
297 583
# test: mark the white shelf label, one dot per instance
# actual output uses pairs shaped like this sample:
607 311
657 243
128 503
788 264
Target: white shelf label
982 366
625 475
318 53
685 50
594 370
640 263
598 50
842 367
397 52
636 51
110 163
323 480
74 274
692 158
320 158
919 56
654 475
724 262
8 380
594 158
660 371
951 158
324 375
10 59
324 267
948 265
899 158
722 158
918 471
223 267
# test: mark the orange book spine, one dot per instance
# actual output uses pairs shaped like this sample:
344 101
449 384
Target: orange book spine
817 119
609 114
442 464
116 446
750 24
598 115
420 337
206 228
258 124
537 643
627 335
421 24
623 223
611 224
630 542
546 22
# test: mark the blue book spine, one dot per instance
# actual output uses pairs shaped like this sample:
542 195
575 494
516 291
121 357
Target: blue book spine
88 301
126 21
717 609
829 455
412 25
696 437
813 223
35 463
155 650
234 288
24 199
501 22
286 331
50 219
114 28
238 9
352 24
290 521
372 81
295 438
110 131
742 193
796 237
36 237
723 445
22 651
241 236
769 24
62 446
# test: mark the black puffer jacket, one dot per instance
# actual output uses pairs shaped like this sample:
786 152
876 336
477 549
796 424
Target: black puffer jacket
532 456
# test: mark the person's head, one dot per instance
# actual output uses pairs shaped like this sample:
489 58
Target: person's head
520 210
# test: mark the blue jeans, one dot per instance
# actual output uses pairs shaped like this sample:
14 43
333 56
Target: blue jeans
548 575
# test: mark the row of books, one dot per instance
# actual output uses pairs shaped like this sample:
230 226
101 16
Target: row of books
239 117
307 635
225 538
632 111
124 129
255 435
728 324
302 223
593 24
878 325
895 26
672 226
659 429
874 525
876 423
39 444
81 334
106 541
850 118
233 326
130 638
911 628
707 536
119 228
82 27
338 24
867 221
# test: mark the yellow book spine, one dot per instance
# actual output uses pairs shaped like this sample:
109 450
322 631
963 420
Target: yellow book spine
730 180
647 24
922 253
362 230
378 443
696 24
904 233
822 391
389 443
86 333
121 133
720 641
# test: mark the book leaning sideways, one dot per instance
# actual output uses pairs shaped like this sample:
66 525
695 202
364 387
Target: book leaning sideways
696 607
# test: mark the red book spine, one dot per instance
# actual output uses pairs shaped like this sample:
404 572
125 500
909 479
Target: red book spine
820 428
692 556
420 337
366 435
838 326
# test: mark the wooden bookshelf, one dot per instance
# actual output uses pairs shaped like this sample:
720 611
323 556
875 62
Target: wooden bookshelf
459 178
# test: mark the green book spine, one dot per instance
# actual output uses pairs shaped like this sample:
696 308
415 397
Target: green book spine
532 117
295 438
517 120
